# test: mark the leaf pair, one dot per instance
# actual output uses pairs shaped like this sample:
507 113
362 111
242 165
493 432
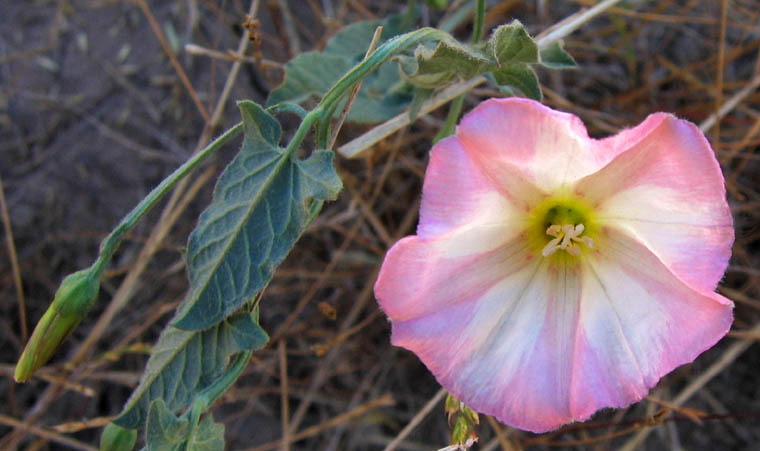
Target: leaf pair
507 56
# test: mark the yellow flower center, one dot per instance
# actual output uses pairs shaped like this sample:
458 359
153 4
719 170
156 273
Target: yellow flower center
562 223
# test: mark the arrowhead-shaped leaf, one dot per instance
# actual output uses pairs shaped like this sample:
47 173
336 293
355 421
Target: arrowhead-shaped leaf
262 203
555 57
186 362
311 74
511 44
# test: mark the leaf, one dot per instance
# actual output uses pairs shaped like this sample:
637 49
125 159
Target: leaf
419 96
208 436
521 77
164 431
311 74
448 62
185 362
262 203
117 438
511 44
555 57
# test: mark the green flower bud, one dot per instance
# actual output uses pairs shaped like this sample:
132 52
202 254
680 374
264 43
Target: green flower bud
72 301
117 438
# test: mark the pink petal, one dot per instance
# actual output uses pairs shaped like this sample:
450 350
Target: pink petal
549 344
638 322
421 276
547 148
666 188
507 353
456 192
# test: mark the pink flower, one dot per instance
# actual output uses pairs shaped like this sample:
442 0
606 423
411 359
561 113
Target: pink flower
553 274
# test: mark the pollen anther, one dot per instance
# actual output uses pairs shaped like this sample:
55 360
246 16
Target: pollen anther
566 237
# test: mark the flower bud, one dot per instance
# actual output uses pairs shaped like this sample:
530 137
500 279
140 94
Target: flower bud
72 301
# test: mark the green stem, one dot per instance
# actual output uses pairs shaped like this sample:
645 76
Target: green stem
330 100
480 17
211 393
111 243
451 119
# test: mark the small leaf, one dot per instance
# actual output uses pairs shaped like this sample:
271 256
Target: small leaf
555 57
448 62
311 74
164 431
184 363
208 436
419 96
521 77
117 438
511 44
262 203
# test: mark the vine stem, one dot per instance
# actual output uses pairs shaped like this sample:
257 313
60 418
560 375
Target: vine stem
334 95
480 18
110 243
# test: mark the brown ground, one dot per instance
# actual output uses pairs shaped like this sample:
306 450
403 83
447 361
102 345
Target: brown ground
93 114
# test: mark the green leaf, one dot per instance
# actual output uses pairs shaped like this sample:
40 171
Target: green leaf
184 363
311 74
555 57
262 203
208 436
419 95
164 431
117 438
520 76
511 44
448 62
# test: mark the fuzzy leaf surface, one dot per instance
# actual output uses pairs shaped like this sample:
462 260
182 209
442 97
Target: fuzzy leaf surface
164 431
520 76
555 57
311 74
511 44
184 363
262 203
448 62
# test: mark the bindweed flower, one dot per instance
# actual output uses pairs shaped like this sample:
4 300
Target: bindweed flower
553 274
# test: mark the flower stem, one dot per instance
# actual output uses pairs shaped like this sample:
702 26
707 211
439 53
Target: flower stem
480 17
111 243
332 97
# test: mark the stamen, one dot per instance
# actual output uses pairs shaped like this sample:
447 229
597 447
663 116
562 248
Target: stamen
566 237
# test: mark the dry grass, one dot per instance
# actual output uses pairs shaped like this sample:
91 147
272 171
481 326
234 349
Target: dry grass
98 102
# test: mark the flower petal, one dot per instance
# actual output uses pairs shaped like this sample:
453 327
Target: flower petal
507 353
548 148
637 323
667 189
549 344
421 276
456 192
